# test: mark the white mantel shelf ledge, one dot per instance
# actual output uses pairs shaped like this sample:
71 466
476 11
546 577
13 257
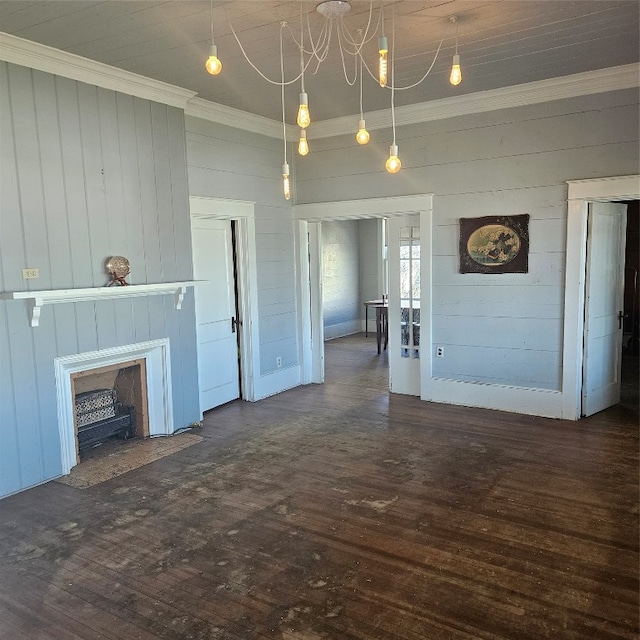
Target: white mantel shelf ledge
37 299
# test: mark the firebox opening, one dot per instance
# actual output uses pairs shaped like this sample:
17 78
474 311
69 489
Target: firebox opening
122 383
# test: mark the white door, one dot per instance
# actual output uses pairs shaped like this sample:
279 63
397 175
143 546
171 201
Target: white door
218 372
603 306
404 304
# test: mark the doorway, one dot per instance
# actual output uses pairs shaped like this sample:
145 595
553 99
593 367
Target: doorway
229 354
309 252
353 260
578 316
217 317
604 313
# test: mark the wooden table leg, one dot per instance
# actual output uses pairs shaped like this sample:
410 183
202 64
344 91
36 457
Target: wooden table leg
379 327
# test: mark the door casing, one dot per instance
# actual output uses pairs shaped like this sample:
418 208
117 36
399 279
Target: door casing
243 214
309 261
581 193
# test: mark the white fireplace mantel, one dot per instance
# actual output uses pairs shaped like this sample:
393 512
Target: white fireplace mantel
37 299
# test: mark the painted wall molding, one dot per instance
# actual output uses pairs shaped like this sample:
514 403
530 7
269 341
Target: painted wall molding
68 65
43 58
579 84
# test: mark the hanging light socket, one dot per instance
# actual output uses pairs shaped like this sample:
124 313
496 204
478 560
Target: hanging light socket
304 119
455 78
456 74
393 163
213 64
362 137
303 143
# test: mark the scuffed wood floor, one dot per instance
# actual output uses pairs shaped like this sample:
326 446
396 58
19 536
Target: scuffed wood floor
339 512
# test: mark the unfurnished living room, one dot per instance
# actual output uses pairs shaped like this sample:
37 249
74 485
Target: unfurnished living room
319 320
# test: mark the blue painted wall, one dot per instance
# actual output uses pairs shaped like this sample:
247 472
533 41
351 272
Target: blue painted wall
86 173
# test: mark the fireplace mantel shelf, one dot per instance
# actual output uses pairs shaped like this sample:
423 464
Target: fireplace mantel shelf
37 299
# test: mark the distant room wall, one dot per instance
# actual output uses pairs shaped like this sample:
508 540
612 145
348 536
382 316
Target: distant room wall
341 278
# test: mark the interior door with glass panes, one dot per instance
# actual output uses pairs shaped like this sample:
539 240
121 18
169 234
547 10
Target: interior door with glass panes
404 304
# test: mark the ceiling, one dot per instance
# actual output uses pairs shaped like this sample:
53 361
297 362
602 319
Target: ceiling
501 43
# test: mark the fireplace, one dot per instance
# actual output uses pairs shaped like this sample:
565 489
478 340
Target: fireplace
139 376
110 402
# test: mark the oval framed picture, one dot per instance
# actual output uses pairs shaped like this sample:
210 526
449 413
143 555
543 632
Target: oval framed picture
494 244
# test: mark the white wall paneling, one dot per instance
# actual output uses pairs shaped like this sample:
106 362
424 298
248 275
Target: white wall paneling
225 165
341 277
86 174
511 340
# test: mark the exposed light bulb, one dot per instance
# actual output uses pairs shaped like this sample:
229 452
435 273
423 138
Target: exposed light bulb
393 163
383 49
456 75
286 183
213 64
362 137
304 120
303 144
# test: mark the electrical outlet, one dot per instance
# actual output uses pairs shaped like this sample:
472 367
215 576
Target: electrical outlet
439 352
278 361
28 274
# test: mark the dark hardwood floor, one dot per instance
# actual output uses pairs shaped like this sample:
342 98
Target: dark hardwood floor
339 512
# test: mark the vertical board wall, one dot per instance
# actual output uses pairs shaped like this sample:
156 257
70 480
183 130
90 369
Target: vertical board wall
502 329
238 165
87 173
370 266
341 278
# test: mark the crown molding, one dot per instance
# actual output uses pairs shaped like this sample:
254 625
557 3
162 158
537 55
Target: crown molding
37 56
221 114
68 65
579 84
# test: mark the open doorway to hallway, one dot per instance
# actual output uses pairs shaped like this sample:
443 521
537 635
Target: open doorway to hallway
353 273
610 361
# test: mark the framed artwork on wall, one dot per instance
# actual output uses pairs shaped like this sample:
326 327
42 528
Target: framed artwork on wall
494 244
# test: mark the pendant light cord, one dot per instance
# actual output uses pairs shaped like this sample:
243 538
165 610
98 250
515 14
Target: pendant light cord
211 21
282 85
360 55
393 74
301 48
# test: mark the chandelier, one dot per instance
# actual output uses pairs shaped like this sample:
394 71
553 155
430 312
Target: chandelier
314 48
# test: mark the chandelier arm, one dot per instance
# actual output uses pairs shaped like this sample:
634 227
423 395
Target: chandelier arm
344 66
325 53
323 39
350 39
246 57
428 71
314 50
